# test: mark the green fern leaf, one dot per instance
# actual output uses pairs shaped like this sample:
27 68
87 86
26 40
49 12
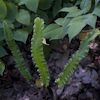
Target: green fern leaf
37 51
16 53
72 64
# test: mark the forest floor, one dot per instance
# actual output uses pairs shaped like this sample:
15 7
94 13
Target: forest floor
84 84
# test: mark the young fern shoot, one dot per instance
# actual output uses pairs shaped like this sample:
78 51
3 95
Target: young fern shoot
72 64
37 51
16 53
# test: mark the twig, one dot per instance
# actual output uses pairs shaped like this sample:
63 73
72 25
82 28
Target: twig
49 93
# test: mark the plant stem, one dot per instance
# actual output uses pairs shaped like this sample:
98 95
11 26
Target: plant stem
49 93
56 93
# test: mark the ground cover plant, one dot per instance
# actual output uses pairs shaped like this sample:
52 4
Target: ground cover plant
70 18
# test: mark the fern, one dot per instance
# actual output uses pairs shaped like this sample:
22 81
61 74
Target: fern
16 53
37 51
76 58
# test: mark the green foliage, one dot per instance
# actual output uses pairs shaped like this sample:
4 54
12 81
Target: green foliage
2 51
2 67
37 51
3 10
22 17
77 16
73 16
16 53
76 58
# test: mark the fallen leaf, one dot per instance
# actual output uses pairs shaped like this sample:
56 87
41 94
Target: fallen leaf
44 41
65 46
82 36
38 82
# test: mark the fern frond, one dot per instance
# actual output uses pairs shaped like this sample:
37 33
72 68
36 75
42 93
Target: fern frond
72 64
37 51
16 53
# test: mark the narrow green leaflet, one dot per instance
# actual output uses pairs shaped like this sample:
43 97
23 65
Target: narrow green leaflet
37 51
3 10
16 53
2 67
2 52
20 35
32 5
23 17
73 62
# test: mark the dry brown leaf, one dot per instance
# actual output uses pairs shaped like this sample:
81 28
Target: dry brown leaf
82 36
65 46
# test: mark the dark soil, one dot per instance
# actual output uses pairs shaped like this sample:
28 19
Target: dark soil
84 84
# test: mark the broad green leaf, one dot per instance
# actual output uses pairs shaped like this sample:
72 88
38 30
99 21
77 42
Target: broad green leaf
77 19
2 52
15 7
3 10
29 28
65 25
57 33
32 5
96 2
9 22
20 35
78 2
17 24
90 19
10 12
74 14
45 4
22 2
23 17
74 29
70 9
42 15
1 34
56 7
2 67
97 10
49 30
2 43
59 21
67 4
85 6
